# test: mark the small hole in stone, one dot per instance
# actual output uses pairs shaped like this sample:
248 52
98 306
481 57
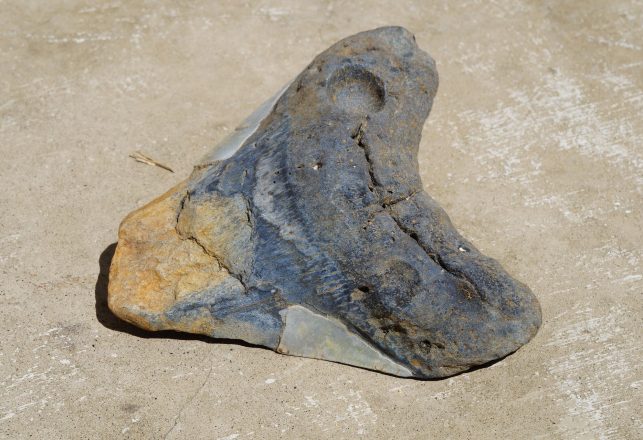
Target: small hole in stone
317 166
364 289
463 249
414 236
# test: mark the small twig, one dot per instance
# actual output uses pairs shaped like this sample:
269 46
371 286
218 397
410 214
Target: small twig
140 157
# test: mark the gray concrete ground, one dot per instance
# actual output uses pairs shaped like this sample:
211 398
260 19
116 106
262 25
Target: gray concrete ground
534 147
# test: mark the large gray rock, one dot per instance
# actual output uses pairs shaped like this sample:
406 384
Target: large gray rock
308 231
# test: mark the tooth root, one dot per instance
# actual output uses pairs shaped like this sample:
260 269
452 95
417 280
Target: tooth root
153 267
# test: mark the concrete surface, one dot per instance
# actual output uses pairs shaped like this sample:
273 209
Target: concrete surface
534 147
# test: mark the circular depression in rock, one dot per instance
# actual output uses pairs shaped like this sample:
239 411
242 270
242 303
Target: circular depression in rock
356 90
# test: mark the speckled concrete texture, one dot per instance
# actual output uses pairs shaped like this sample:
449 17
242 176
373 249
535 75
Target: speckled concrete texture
534 148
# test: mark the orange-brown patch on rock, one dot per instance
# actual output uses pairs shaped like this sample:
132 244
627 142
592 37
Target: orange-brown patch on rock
153 267
220 224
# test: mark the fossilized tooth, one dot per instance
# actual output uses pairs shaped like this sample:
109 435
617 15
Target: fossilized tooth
308 231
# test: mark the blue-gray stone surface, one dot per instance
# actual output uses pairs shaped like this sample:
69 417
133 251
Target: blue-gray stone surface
309 232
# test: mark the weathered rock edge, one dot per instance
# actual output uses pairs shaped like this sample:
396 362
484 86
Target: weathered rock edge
308 231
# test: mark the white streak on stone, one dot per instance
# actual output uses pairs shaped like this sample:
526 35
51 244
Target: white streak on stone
247 128
311 335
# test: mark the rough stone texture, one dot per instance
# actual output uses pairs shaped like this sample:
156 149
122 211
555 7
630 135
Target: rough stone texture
322 207
533 147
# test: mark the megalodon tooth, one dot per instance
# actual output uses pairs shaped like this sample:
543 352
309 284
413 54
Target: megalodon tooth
308 231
